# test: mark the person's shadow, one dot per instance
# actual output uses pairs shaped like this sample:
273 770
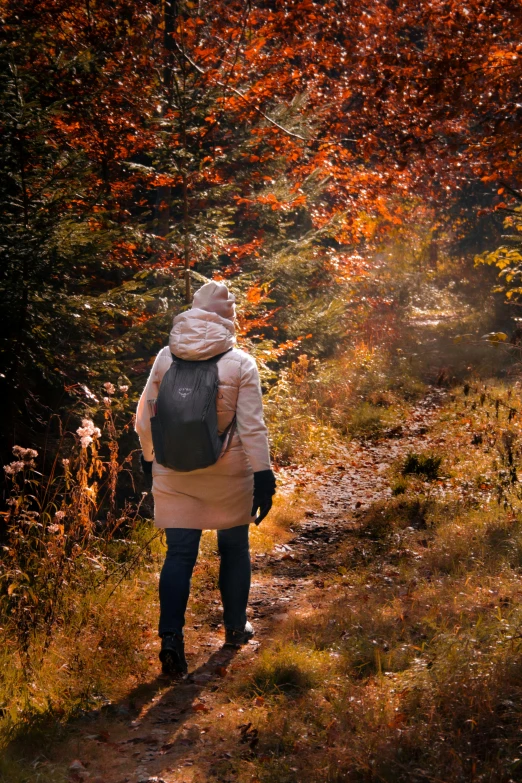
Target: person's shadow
182 690
173 711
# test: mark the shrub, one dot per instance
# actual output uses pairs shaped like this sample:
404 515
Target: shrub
56 543
422 465
399 487
67 549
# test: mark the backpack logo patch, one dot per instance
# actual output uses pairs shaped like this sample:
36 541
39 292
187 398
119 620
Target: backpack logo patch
184 392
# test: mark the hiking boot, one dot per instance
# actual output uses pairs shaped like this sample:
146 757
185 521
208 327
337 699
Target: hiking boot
172 656
235 638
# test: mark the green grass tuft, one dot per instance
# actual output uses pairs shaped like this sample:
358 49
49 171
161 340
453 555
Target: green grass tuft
422 465
286 669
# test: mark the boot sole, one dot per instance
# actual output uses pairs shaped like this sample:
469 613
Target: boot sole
239 642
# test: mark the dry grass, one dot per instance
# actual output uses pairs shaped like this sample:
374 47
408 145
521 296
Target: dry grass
283 520
317 404
406 664
104 649
286 668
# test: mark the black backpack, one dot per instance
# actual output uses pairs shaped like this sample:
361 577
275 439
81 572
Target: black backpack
185 428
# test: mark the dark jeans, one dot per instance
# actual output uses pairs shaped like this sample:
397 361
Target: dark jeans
234 576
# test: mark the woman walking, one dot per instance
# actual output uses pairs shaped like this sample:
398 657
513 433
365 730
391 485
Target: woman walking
225 496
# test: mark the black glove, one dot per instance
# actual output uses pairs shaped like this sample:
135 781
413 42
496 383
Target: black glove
145 466
264 489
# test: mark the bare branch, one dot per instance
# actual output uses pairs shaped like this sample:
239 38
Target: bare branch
260 111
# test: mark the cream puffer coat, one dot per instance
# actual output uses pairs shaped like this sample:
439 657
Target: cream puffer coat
219 496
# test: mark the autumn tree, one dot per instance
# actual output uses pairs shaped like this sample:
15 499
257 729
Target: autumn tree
274 143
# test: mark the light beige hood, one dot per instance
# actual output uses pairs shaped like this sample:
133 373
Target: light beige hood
197 335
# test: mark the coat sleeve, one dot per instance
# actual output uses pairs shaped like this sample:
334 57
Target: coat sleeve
249 416
150 392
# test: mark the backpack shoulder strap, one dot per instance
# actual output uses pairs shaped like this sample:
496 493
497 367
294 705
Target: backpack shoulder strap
218 356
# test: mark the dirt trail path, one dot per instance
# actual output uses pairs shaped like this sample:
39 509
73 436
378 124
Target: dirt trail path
157 734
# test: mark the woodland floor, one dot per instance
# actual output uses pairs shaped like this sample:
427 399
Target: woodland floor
160 730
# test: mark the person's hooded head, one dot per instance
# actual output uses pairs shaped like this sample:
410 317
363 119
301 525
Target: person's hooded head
214 297
208 328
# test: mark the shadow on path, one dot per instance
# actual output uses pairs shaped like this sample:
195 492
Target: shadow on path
154 727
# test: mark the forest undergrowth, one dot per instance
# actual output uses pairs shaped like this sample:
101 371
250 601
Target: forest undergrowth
399 661
404 663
